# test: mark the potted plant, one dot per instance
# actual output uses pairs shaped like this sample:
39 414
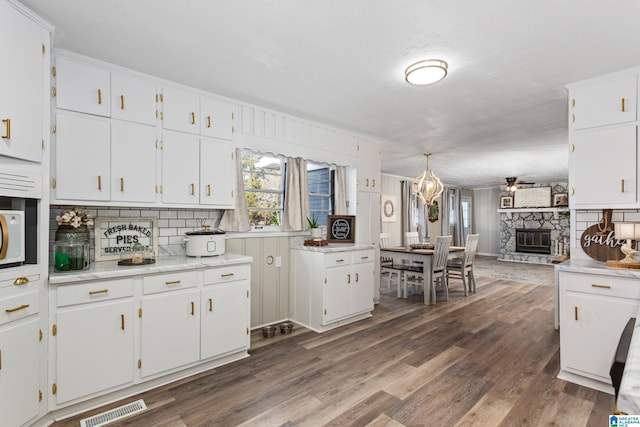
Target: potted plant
316 231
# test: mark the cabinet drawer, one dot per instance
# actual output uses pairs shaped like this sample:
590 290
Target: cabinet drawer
169 282
21 282
19 306
337 259
621 287
363 256
226 274
94 291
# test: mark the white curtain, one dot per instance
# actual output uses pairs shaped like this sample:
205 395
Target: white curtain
296 196
341 191
237 219
407 207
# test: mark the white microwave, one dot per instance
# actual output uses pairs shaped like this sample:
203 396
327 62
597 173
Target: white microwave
12 232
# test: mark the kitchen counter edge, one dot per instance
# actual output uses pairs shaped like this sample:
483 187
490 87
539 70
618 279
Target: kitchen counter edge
111 269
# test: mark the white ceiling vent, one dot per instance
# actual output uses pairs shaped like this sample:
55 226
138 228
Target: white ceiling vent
114 414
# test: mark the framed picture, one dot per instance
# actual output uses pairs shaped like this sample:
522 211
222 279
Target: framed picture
506 202
534 197
115 236
561 199
388 210
341 228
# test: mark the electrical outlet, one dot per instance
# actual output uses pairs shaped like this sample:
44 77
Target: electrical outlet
278 262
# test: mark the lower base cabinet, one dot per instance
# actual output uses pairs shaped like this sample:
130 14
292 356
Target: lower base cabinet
331 289
594 310
111 334
19 374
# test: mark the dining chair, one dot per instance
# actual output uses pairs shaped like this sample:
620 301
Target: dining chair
411 238
438 270
463 267
387 267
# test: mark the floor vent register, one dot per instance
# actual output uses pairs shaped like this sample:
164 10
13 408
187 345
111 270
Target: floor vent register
114 414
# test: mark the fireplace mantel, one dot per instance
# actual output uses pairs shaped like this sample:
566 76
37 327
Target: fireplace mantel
555 211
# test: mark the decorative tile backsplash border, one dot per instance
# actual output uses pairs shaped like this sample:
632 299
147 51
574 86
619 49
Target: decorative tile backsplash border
172 223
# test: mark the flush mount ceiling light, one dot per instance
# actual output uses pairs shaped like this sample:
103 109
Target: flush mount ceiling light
426 72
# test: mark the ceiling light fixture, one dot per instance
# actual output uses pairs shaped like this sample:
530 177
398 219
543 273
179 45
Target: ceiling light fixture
427 186
511 184
426 72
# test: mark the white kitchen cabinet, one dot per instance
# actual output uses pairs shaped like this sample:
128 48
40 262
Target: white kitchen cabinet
170 322
181 110
25 48
133 99
180 168
269 277
597 181
368 172
217 173
368 230
133 162
93 339
82 87
330 289
225 311
216 118
82 163
593 312
19 373
604 101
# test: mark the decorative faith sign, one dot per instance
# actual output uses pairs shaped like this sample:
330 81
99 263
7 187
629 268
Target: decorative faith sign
115 236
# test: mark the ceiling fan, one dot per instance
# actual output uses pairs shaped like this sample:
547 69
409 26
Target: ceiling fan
512 183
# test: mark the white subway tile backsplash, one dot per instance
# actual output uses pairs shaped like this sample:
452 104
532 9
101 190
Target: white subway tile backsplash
177 223
587 216
169 214
185 214
631 217
130 213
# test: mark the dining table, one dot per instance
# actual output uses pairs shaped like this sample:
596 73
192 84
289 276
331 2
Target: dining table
401 254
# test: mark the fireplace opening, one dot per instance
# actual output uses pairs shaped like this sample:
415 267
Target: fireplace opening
533 240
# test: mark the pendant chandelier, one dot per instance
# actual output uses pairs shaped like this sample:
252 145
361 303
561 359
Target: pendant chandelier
427 186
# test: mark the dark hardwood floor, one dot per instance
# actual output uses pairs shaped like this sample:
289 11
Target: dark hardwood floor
489 359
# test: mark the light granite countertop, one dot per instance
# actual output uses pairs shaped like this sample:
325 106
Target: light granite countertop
111 269
298 244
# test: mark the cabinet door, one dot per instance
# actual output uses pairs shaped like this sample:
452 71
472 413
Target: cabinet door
225 318
181 110
368 166
133 162
216 118
133 99
20 374
94 348
170 331
590 327
82 164
361 288
337 297
217 173
180 168
604 165
82 87
607 102
21 85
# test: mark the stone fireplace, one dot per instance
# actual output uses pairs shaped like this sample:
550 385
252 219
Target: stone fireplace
533 235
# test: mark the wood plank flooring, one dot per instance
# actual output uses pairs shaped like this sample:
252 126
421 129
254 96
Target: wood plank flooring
488 359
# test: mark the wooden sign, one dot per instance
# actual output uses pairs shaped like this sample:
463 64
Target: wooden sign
115 236
341 228
601 245
536 197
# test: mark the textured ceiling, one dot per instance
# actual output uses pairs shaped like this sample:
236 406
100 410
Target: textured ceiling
501 111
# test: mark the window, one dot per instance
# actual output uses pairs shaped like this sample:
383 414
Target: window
264 184
320 183
264 189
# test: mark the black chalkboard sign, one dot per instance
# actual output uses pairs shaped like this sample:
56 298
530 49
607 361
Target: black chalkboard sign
341 228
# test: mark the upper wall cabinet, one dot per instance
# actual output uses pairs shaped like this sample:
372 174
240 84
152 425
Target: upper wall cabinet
368 166
83 88
93 90
133 99
603 153
181 110
600 103
22 88
216 118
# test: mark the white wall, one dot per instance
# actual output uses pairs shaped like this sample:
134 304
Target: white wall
486 220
